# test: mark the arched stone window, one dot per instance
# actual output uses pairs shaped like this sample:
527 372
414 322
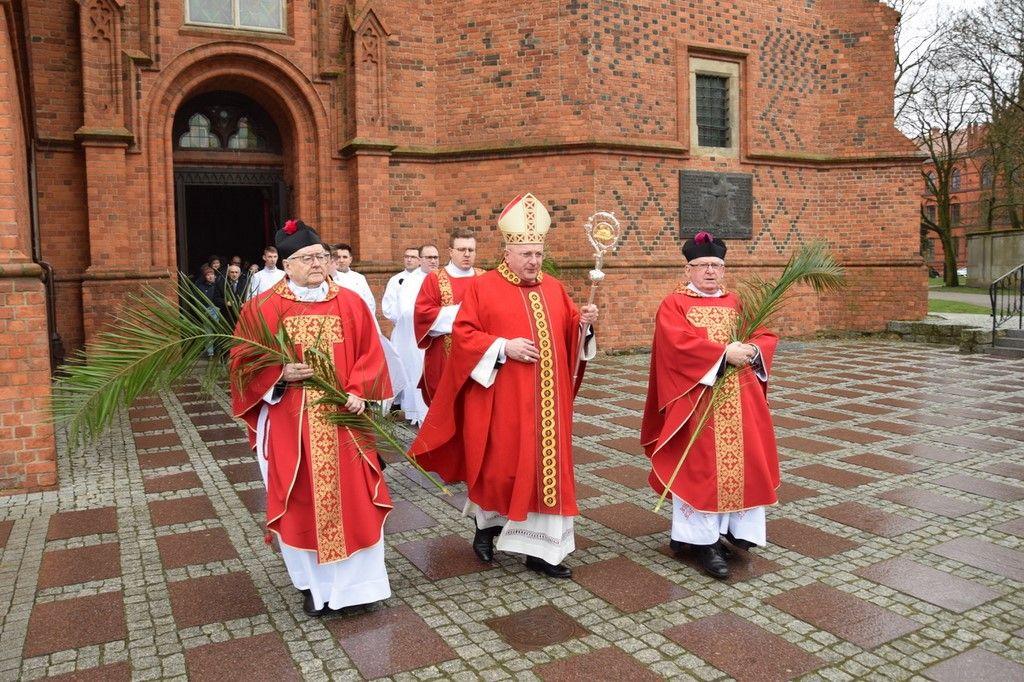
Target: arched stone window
225 121
988 176
955 180
259 15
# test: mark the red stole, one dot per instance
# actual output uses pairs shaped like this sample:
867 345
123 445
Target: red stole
438 290
734 463
512 442
325 490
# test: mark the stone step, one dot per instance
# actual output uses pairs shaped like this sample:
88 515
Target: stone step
1015 333
1009 353
1009 342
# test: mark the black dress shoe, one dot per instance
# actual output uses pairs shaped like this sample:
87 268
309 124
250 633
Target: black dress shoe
712 561
677 546
309 608
551 570
736 542
483 544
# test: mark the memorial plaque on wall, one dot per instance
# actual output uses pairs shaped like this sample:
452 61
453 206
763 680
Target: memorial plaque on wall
721 203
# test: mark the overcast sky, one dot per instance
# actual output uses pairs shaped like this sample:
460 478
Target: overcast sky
930 12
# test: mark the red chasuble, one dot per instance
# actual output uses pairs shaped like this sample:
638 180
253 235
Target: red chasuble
325 490
734 464
512 442
438 290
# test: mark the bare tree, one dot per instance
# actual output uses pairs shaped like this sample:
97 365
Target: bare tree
913 49
941 113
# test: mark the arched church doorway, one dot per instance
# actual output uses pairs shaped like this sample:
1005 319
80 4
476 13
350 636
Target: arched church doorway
230 192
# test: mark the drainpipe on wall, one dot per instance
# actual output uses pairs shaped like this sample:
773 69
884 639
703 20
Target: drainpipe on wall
56 343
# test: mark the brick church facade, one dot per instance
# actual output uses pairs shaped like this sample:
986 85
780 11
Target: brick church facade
137 137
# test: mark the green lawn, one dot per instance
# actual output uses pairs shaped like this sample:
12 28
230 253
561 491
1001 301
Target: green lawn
935 284
938 305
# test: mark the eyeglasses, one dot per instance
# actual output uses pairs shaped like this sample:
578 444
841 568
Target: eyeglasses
715 267
431 257
310 257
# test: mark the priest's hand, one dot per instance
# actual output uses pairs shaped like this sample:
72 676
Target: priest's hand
588 314
355 404
738 354
521 350
296 371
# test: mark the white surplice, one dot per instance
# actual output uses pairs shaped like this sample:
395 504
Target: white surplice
404 339
264 280
362 578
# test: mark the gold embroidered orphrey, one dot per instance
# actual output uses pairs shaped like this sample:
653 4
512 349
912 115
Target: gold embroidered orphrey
322 332
505 271
444 283
548 413
728 415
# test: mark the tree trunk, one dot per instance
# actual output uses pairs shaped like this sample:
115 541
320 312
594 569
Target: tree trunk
949 276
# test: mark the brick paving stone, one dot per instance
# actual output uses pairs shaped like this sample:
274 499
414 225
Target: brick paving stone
407 516
159 440
631 446
232 450
168 458
939 453
181 510
609 663
254 500
626 474
745 651
808 445
202 407
210 599
263 657
844 615
212 420
628 519
590 409
145 426
806 540
584 491
984 555
139 412
244 472
171 482
976 664
931 585
80 565
851 435
937 420
810 398
837 477
820 414
536 628
388 641
73 524
743 565
983 444
791 492
870 519
790 423
584 456
865 408
198 547
1015 527
457 500
631 421
581 428
5 532
595 394
224 433
979 486
634 404
930 501
444 557
898 428
58 625
627 585
112 672
1003 432
583 542
889 465
900 403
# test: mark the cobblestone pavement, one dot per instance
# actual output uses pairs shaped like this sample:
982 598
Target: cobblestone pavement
897 551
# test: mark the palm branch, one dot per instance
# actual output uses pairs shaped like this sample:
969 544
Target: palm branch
760 301
153 342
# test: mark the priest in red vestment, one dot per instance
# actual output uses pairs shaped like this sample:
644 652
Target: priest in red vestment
326 496
501 419
437 304
732 470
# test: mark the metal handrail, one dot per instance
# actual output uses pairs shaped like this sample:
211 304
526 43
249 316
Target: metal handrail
1007 297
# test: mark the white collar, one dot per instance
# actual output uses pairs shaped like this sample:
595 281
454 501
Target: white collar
309 294
700 293
455 271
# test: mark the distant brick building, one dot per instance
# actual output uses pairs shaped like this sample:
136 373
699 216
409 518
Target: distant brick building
138 137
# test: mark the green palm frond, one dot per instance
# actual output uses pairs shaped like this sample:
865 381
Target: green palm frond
812 265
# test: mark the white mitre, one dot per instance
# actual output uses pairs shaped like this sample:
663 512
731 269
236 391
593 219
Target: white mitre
524 221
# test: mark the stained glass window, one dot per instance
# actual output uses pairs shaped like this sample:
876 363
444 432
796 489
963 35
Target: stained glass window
199 135
712 111
260 14
263 15
245 137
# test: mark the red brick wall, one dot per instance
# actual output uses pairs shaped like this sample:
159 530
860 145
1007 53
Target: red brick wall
585 104
27 455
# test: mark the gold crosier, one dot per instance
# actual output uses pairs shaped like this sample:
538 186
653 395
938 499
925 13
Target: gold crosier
322 332
728 425
548 404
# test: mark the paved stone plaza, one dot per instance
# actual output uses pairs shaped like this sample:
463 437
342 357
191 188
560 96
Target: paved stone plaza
897 551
